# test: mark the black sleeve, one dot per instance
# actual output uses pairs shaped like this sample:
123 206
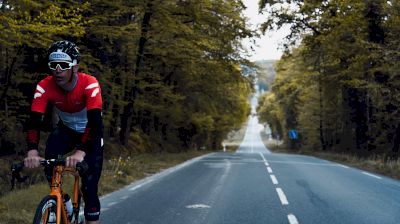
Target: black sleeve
33 130
93 132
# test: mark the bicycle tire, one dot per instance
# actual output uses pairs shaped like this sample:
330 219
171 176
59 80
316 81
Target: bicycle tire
47 206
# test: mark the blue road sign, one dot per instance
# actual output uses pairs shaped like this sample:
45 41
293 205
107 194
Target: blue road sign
293 134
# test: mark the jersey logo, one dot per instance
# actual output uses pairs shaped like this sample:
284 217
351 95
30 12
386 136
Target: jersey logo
41 91
96 90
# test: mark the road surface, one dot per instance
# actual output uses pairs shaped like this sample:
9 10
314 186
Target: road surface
254 186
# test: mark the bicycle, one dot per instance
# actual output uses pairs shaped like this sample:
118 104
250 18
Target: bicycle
52 208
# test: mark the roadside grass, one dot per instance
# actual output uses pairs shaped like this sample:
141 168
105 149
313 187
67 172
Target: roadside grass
19 206
375 164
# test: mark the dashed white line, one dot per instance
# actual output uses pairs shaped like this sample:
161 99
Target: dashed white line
372 175
292 219
274 180
282 196
198 206
262 156
343 166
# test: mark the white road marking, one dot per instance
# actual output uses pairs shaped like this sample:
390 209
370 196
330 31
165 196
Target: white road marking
111 204
282 196
198 206
274 180
372 175
262 156
269 169
266 163
344 166
292 219
306 163
140 185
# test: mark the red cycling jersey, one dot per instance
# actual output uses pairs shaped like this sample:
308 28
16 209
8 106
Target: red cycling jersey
70 106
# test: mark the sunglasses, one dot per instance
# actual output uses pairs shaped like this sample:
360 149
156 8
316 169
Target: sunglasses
63 65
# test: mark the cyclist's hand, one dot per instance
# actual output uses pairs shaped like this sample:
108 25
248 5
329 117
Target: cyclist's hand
72 160
33 159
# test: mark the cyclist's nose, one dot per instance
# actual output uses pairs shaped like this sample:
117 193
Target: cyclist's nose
58 69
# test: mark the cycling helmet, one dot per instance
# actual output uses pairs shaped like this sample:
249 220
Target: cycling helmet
64 51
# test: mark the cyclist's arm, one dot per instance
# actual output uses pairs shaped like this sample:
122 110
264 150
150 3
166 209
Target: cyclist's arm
38 108
90 140
33 133
93 131
33 137
94 128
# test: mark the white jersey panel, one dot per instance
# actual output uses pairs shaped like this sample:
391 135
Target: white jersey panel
76 121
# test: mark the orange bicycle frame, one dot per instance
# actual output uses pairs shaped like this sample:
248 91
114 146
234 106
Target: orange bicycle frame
56 190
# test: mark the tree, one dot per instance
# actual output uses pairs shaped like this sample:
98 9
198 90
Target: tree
26 29
342 45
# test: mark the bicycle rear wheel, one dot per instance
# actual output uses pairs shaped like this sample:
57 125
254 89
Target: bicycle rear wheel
46 211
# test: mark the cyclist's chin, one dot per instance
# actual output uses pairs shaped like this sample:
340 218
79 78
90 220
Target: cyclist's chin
61 81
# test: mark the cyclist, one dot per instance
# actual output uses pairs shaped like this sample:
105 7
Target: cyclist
76 98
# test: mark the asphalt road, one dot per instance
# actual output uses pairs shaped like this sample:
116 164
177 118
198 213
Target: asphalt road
255 186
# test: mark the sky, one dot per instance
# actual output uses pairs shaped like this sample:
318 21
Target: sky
268 44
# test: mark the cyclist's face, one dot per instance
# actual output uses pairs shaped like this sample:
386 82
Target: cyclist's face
62 76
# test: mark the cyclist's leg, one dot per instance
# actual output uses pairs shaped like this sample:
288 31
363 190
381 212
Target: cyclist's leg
59 142
94 159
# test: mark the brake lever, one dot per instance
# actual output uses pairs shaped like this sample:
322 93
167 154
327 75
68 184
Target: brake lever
82 168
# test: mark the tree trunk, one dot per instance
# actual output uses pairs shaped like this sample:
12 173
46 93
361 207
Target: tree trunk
126 119
321 114
347 139
361 121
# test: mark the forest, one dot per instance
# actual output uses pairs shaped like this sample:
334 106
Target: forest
338 82
170 70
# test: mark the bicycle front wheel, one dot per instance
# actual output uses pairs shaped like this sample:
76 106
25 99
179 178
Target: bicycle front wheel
78 217
46 211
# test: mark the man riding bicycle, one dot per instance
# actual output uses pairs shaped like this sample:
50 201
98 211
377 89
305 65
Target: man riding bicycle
76 98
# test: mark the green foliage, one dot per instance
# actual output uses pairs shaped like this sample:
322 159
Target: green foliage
339 85
188 74
37 23
168 69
